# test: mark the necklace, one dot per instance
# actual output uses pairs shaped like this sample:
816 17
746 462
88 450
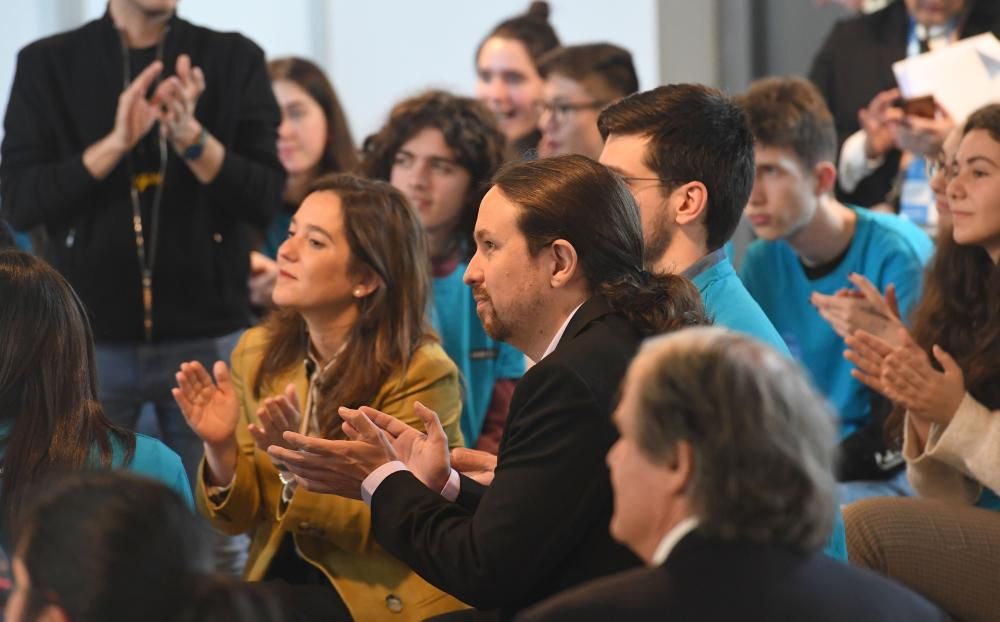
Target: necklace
147 259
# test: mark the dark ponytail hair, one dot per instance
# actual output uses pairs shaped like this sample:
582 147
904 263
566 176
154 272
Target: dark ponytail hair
578 200
532 29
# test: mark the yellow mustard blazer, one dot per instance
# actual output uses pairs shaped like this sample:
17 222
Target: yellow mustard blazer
330 532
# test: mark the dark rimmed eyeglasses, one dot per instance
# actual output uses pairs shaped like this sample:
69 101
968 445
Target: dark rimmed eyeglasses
561 110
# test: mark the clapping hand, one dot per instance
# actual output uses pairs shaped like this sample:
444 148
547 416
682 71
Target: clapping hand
375 438
865 308
210 408
136 114
905 375
475 464
178 97
276 415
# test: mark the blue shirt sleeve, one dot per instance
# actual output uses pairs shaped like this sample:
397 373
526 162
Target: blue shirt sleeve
157 461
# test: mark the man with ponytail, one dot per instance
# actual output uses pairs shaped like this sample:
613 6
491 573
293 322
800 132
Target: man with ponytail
558 274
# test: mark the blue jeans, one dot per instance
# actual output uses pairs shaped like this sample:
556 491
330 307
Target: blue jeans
897 486
132 375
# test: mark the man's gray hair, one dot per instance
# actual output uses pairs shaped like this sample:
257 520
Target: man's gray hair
763 440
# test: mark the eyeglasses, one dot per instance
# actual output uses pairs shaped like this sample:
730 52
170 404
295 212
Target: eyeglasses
939 165
561 110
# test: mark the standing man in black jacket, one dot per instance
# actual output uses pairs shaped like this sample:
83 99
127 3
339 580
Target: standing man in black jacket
146 148
557 274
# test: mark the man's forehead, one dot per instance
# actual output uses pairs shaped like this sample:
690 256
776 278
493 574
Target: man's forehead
624 150
496 212
769 154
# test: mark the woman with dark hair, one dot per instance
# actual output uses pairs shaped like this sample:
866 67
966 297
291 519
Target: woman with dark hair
507 78
314 139
50 418
99 547
350 329
945 382
441 151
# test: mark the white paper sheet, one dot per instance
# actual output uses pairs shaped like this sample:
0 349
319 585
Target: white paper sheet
962 77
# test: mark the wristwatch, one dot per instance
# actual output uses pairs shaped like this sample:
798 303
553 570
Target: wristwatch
195 149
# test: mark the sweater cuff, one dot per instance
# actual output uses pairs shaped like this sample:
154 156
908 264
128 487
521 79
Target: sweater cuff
952 443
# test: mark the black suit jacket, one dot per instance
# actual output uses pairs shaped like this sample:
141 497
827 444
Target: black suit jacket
705 579
855 64
542 526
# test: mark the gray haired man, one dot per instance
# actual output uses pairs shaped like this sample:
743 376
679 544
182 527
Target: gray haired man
723 485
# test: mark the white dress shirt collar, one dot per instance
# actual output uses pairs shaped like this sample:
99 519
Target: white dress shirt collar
673 536
562 329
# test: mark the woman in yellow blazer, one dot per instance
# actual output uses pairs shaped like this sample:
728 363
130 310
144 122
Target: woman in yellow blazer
352 292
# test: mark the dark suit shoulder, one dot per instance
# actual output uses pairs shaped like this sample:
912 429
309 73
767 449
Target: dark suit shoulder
711 580
635 594
983 17
66 42
892 20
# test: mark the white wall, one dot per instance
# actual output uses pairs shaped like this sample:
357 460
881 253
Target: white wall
376 51
376 61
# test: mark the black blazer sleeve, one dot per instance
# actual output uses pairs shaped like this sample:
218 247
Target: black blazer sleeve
537 511
470 493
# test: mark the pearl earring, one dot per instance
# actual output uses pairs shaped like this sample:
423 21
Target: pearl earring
358 292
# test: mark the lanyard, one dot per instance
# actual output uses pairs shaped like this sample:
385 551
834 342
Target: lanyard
147 259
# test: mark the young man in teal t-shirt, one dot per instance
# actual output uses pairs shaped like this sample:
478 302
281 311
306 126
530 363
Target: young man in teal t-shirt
441 150
809 245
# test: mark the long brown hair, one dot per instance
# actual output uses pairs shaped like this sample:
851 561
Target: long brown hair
571 197
960 307
469 130
48 388
385 237
339 156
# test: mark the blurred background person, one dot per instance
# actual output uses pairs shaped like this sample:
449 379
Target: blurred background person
880 148
441 152
579 81
99 547
314 139
508 81
810 248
